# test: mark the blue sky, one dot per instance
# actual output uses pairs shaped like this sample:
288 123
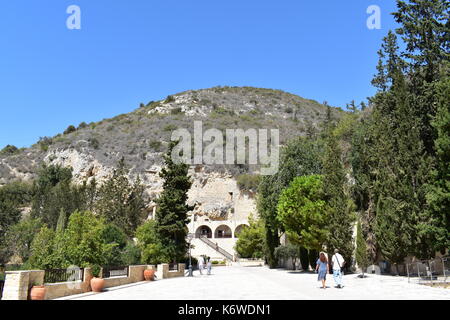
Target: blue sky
135 51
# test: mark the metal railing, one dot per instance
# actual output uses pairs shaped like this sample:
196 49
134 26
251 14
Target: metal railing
429 271
216 247
110 272
173 266
63 275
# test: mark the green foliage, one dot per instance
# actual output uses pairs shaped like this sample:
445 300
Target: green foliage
152 251
130 255
44 143
169 99
42 250
94 143
53 191
170 127
113 235
20 237
439 191
155 145
13 196
288 251
82 125
361 249
96 270
250 243
9 150
70 129
300 157
171 215
340 206
302 211
248 182
83 240
121 202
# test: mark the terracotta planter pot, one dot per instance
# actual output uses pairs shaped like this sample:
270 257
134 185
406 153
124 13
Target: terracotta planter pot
97 284
149 275
37 293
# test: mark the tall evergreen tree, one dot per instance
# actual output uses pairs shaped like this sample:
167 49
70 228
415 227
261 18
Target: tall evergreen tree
337 195
172 210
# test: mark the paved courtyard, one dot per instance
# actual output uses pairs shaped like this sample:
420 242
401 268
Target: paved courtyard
261 283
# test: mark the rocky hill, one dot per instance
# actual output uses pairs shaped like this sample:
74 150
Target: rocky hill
141 136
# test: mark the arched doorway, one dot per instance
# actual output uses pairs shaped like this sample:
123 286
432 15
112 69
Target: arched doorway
223 231
239 229
203 231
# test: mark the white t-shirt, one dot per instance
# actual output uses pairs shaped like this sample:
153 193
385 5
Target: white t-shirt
338 261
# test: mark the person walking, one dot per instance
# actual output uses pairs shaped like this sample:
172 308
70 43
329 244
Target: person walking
201 263
209 266
322 268
338 263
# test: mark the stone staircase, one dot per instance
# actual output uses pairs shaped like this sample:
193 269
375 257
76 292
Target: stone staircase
220 250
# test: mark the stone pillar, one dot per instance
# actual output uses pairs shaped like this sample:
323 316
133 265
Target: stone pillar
162 271
136 273
87 276
181 268
16 285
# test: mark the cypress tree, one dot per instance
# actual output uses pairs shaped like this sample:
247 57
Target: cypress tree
339 202
171 214
361 250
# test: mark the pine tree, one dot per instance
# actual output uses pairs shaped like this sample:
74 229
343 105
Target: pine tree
120 202
424 27
171 214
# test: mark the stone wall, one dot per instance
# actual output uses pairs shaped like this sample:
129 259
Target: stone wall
19 283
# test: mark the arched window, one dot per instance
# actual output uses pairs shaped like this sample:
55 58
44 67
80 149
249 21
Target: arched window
223 231
238 230
203 231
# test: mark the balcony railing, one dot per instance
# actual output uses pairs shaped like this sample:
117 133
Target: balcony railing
110 272
63 275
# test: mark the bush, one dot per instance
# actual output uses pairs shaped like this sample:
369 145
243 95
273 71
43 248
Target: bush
152 251
176 110
9 150
170 127
82 125
130 255
248 182
95 270
20 237
251 240
93 142
169 99
44 143
70 129
155 145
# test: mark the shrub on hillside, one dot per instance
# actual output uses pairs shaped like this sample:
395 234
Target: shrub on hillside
70 129
248 182
9 150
